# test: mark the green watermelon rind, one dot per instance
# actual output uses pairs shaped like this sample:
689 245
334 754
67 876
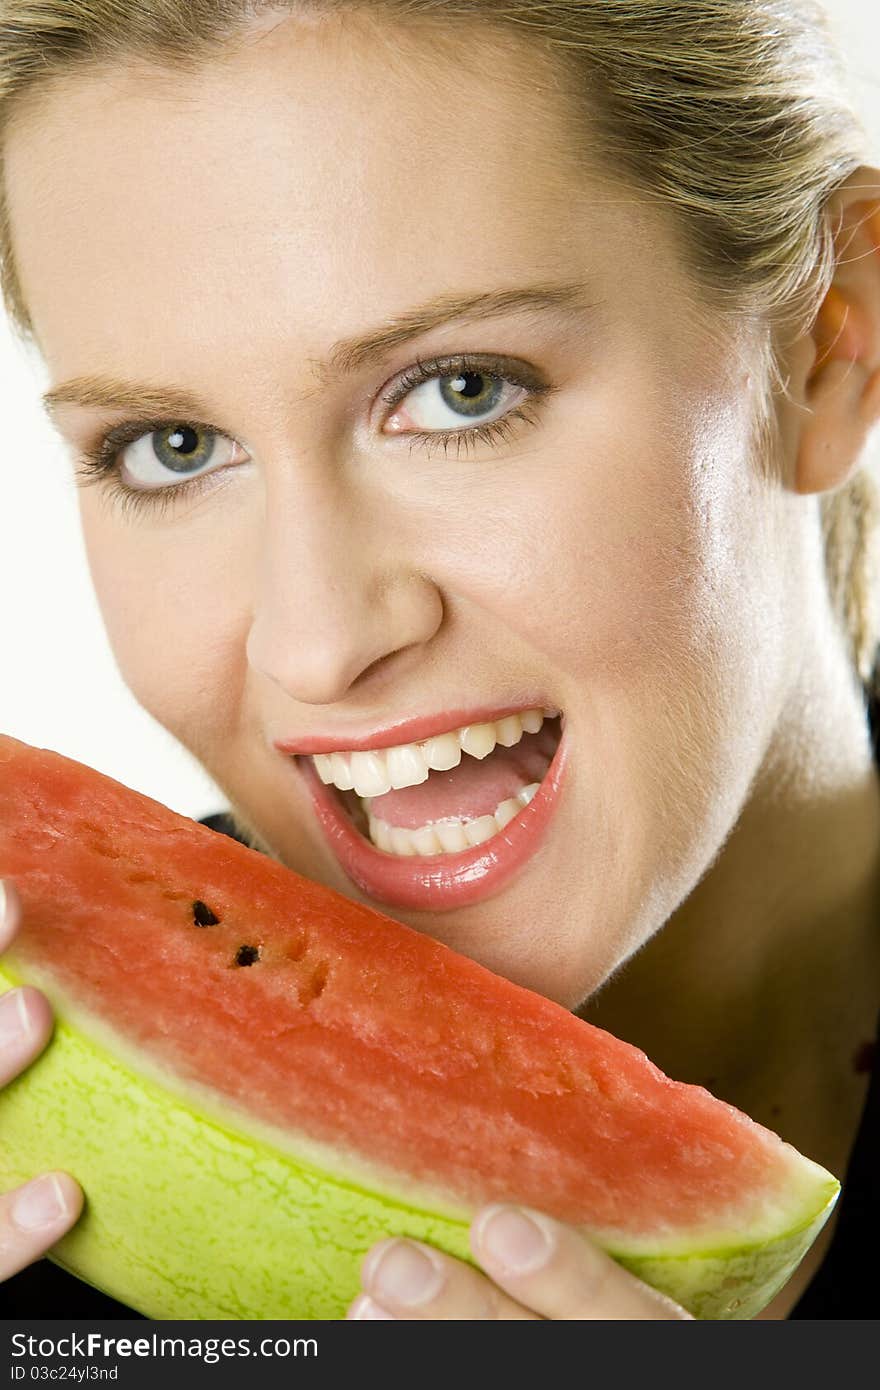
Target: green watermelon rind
263 1236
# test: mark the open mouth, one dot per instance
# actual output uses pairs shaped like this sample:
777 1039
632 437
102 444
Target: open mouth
447 819
472 783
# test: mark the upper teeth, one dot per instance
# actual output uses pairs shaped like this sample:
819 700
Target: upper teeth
380 769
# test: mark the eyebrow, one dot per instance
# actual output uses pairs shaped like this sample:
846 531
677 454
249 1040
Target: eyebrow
346 357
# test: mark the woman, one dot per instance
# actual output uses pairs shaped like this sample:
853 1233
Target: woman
442 367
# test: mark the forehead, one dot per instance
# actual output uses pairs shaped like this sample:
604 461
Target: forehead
304 180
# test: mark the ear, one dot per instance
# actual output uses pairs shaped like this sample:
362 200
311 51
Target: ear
835 367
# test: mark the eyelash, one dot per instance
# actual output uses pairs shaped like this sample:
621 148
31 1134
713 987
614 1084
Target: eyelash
98 465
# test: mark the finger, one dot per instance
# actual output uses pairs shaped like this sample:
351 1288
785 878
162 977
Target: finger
25 1014
34 1217
25 1028
552 1269
405 1279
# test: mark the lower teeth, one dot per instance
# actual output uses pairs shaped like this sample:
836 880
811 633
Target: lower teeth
448 836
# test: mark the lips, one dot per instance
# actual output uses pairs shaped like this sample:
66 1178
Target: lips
436 882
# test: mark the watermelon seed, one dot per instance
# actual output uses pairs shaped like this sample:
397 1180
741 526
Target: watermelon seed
203 916
247 955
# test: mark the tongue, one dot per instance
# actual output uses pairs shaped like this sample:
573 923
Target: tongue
472 789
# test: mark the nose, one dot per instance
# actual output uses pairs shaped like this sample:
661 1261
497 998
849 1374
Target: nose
337 596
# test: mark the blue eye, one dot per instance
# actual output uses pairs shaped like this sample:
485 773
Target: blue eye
453 391
152 459
443 402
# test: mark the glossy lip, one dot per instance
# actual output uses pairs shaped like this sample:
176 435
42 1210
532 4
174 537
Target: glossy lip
408 731
437 883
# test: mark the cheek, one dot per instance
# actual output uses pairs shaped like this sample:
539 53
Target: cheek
616 549
176 615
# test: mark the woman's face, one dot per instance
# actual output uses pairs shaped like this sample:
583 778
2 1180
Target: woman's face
571 520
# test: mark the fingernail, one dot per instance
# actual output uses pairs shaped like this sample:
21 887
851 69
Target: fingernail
403 1272
41 1203
364 1307
15 1021
513 1240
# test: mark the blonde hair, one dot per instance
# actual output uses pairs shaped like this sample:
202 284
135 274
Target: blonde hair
732 112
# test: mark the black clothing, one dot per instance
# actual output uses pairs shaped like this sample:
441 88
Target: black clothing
845 1284
843 1287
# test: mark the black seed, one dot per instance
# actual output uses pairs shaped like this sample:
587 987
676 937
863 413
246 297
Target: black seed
203 916
247 955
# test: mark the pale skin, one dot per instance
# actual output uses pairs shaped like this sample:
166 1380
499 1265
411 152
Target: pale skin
711 887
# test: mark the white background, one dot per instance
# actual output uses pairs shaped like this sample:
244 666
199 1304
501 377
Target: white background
59 687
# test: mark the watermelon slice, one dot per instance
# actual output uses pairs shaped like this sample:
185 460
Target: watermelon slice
255 1078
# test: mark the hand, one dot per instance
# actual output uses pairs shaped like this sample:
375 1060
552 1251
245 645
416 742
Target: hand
35 1216
536 1268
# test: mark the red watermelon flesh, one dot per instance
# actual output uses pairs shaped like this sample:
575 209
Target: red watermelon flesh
376 1053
